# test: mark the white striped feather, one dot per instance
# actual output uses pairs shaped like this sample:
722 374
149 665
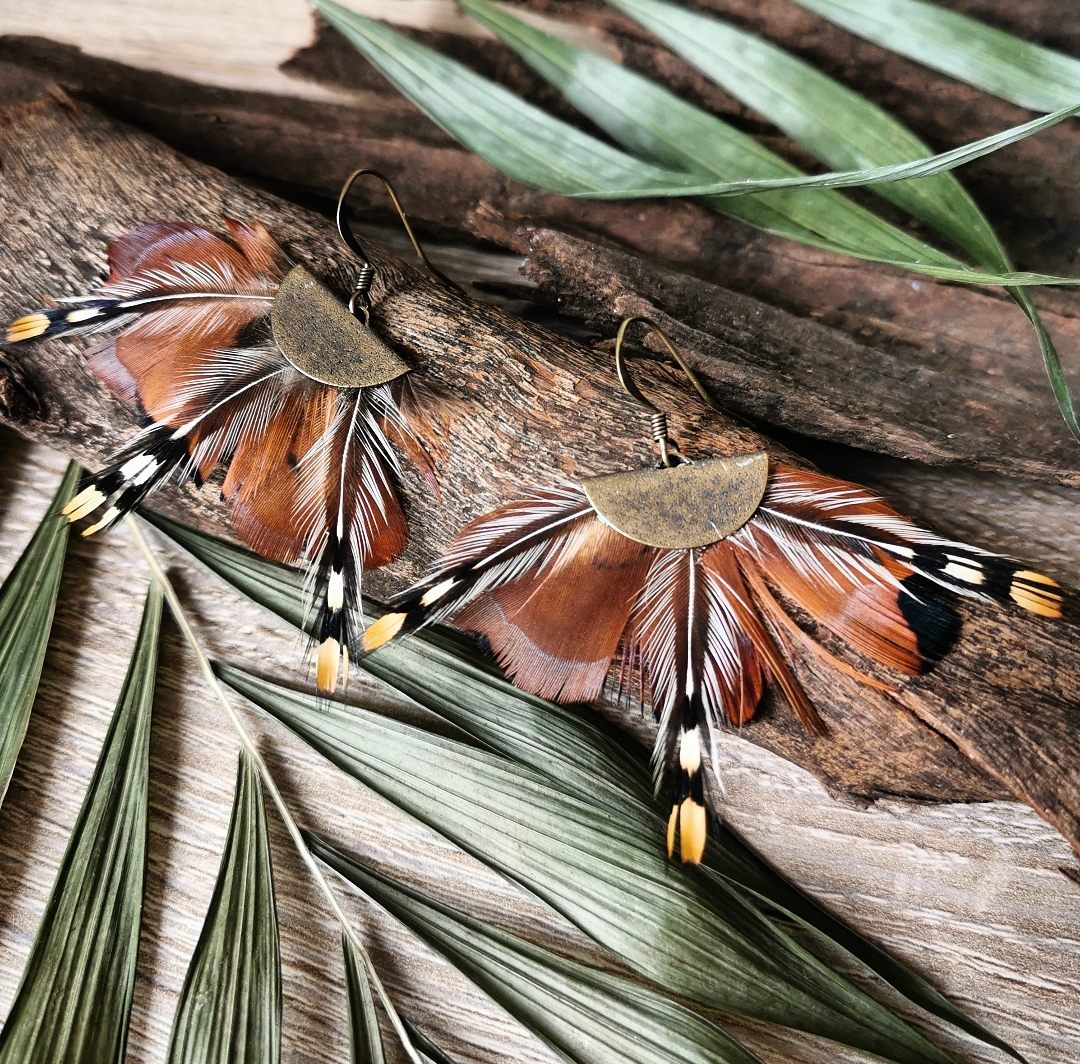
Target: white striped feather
844 538
524 539
212 278
685 632
356 417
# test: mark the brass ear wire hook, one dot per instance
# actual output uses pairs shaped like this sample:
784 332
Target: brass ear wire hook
668 448
367 271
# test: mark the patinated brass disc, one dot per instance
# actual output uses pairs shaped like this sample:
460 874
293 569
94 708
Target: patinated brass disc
692 505
319 336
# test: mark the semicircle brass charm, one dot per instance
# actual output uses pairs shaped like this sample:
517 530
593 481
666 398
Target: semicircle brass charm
683 506
319 336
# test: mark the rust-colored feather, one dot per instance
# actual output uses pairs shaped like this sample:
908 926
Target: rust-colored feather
865 614
196 294
555 631
262 486
756 645
424 427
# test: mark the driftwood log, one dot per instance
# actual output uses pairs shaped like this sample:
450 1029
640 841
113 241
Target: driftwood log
997 718
941 373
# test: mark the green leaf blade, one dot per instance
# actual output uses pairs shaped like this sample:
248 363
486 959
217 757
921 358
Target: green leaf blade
365 1040
74 1000
603 869
517 138
655 124
27 605
984 56
838 126
229 1010
586 1015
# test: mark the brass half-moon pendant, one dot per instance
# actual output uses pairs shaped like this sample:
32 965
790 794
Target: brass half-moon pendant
319 336
683 506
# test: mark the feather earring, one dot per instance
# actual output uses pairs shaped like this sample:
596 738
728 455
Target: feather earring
239 356
684 573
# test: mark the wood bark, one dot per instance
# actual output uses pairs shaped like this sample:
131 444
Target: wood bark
765 364
942 373
997 717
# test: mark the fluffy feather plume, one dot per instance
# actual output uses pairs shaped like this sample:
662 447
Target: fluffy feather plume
310 472
558 593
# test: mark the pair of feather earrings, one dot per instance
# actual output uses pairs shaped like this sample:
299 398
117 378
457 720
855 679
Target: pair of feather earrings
684 573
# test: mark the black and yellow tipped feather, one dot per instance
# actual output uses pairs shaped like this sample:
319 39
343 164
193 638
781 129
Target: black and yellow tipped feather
57 321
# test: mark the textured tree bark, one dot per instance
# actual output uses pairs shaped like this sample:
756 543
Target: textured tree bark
772 367
997 717
941 373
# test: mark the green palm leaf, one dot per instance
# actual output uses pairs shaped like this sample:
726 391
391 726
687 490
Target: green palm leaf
74 999
989 58
230 1008
657 125
586 1016
584 755
365 1041
27 604
836 125
426 1046
844 131
521 140
531 146
604 869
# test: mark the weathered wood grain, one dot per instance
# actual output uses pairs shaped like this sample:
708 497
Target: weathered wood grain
785 372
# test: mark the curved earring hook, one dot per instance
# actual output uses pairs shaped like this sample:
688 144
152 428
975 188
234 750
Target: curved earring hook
349 238
659 417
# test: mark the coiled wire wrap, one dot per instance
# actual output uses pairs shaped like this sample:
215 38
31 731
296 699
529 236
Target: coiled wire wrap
668 447
364 280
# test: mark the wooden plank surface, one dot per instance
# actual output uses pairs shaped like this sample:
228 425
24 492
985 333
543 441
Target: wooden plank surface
971 895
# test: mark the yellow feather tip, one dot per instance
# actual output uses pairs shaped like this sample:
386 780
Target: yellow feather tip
85 502
27 328
382 631
326 666
1039 603
693 830
672 824
1036 593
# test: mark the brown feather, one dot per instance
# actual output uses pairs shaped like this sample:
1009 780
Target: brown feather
262 484
556 632
369 497
720 563
260 249
158 356
783 623
863 612
423 431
